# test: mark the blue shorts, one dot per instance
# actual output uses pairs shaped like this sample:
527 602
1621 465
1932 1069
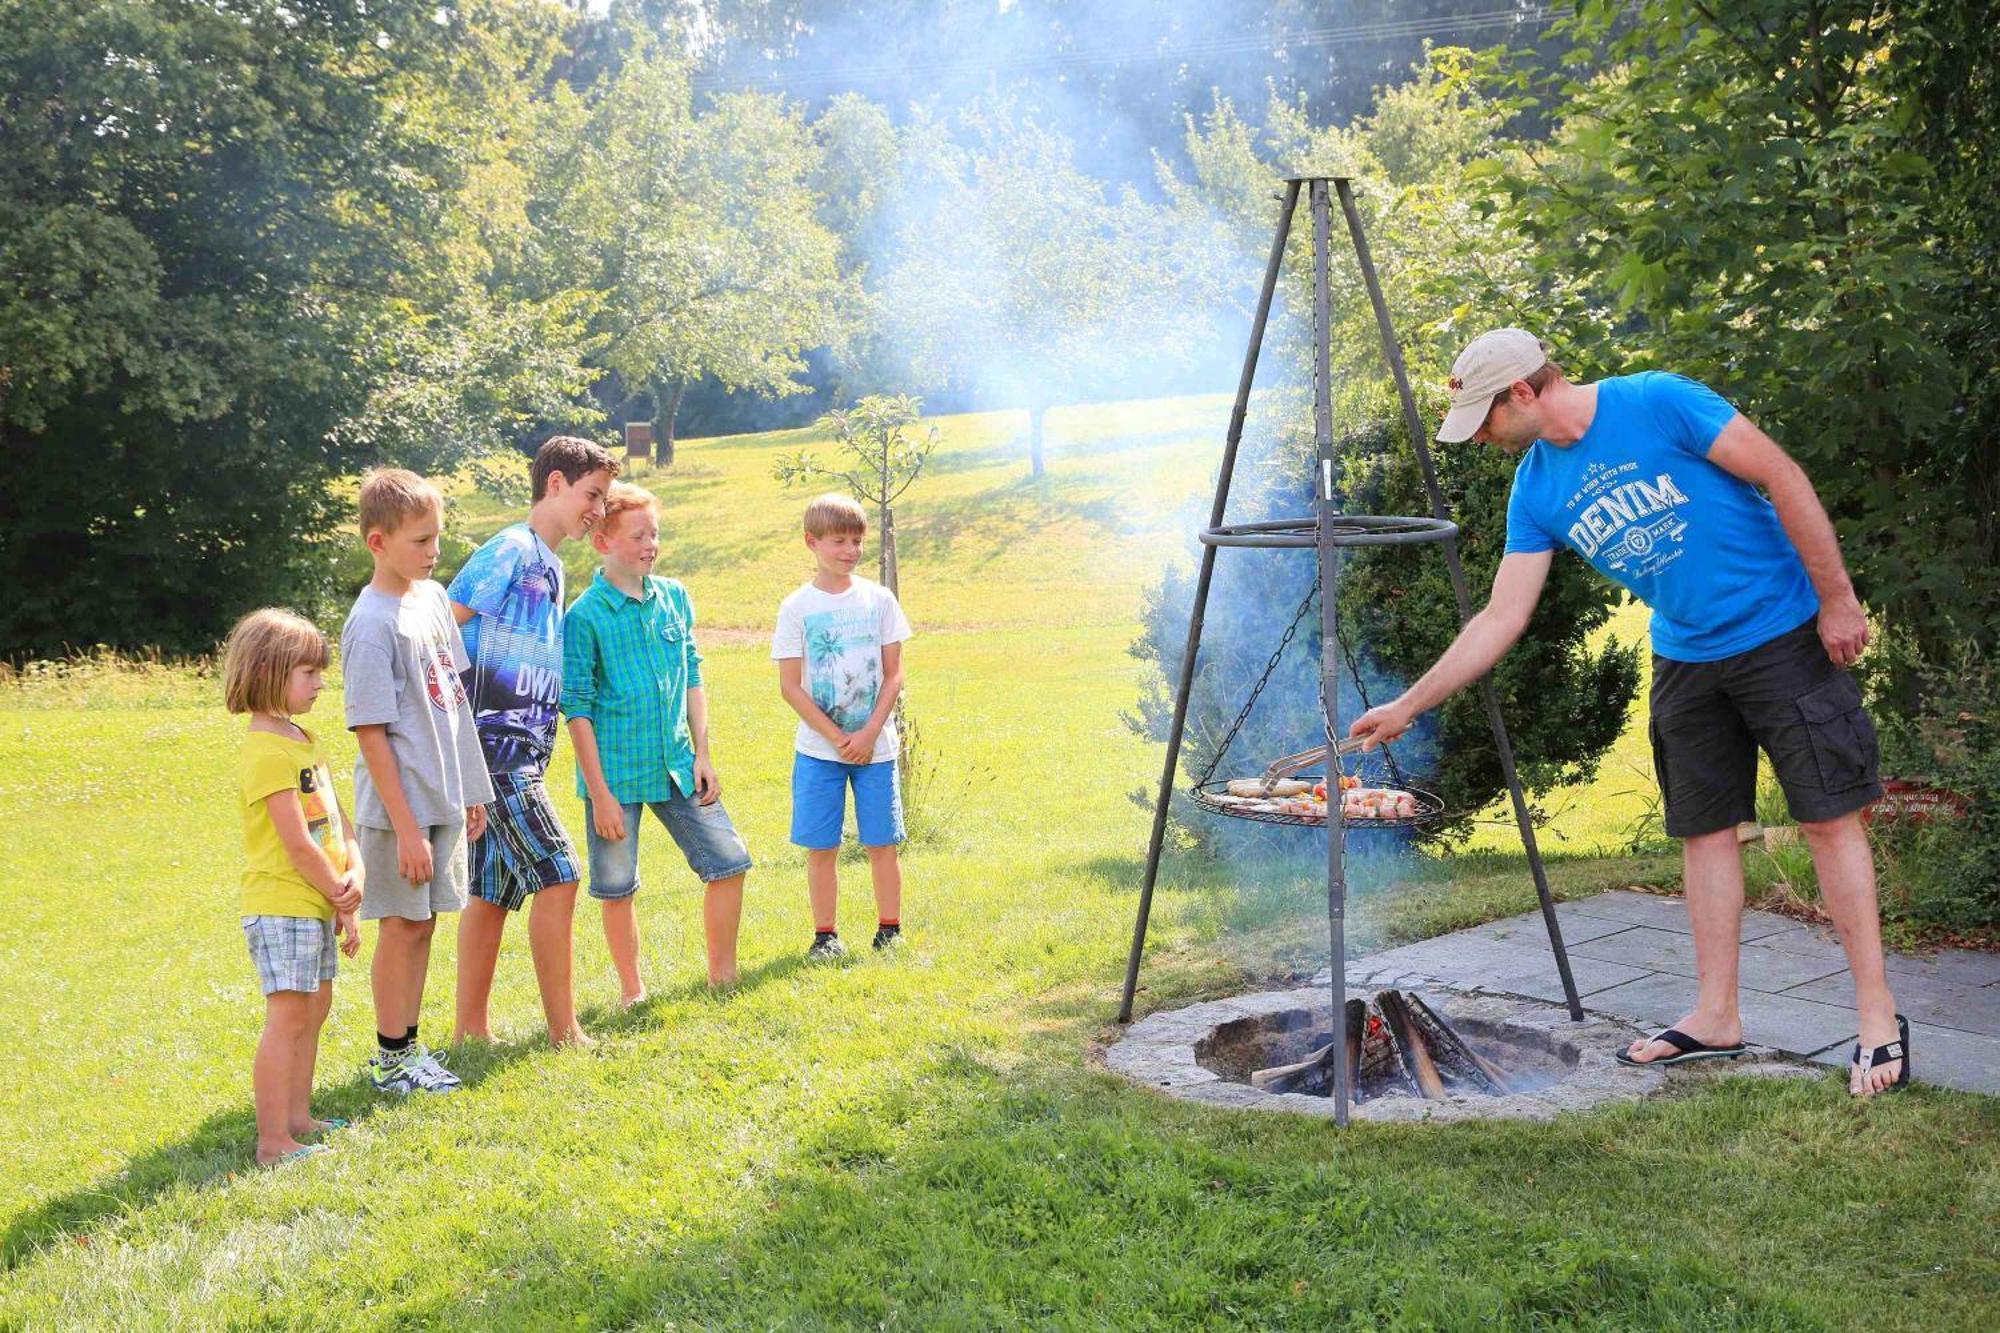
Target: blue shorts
710 842
524 849
819 802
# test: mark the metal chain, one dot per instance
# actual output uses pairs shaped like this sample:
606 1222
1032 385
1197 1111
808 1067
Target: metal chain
1270 667
1354 670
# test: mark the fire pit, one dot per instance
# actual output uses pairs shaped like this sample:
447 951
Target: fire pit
1270 1051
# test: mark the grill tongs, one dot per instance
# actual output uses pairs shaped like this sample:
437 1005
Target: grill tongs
1293 763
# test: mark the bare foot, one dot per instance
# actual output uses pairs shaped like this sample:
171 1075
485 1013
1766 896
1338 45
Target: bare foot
1720 1031
270 1153
576 1037
724 983
480 1035
632 1001
311 1126
1875 1031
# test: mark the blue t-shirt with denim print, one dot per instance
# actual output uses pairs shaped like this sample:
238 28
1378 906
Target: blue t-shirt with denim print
515 646
1638 499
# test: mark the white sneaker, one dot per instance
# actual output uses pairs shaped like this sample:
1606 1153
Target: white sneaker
413 1069
439 1078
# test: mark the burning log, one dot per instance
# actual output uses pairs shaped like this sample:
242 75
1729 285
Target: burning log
1452 1048
1410 1042
1308 1075
1398 1044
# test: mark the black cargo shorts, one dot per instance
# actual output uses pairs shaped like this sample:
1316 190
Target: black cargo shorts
1785 695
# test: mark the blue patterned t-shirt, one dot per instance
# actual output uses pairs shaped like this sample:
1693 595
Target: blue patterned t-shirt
515 644
1638 498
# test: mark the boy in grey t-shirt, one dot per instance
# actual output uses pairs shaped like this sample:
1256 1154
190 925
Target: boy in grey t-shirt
421 790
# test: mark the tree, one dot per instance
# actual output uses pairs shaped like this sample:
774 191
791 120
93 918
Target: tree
222 232
884 462
1565 699
1017 276
699 231
1794 202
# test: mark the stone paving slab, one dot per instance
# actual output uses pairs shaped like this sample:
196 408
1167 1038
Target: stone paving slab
1633 958
1793 1026
1647 909
1664 951
1922 999
1968 1061
1529 928
1961 966
1467 961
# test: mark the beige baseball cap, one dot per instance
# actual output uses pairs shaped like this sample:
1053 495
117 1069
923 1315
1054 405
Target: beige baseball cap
1489 363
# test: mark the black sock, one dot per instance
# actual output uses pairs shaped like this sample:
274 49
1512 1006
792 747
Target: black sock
819 935
889 928
413 1033
395 1045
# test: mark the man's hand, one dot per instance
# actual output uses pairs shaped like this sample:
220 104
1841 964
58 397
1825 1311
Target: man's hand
348 930
858 747
1843 629
707 786
413 856
475 822
608 818
348 897
1382 724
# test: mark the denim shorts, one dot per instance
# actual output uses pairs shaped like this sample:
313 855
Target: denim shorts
1784 696
819 802
524 849
291 952
710 842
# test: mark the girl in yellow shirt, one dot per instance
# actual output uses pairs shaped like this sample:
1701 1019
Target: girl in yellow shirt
302 883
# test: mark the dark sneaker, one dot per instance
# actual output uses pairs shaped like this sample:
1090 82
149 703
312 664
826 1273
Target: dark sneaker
826 949
888 937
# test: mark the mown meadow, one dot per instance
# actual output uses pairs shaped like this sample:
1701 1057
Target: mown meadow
917 1140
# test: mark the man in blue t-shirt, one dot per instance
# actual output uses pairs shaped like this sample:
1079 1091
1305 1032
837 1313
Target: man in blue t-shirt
1667 490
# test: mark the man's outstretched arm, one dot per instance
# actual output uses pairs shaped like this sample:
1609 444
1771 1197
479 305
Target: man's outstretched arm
1517 587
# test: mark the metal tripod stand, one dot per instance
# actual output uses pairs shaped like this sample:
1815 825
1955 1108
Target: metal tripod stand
1327 532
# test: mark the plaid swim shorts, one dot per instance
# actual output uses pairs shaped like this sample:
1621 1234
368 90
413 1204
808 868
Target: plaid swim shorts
524 849
291 952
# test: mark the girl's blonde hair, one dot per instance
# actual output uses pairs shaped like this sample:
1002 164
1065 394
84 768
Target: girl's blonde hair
257 661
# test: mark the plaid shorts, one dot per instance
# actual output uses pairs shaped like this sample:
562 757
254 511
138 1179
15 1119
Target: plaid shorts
291 952
524 849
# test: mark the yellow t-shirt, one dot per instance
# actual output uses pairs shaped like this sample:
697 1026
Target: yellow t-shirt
274 763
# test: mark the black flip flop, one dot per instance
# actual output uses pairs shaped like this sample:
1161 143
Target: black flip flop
1898 1049
1686 1048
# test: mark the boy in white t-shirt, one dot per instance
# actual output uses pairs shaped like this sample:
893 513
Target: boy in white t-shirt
839 649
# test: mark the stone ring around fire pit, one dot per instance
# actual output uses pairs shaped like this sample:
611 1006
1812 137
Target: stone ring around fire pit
1208 1052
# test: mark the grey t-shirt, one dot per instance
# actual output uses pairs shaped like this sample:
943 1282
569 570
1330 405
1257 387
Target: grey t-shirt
400 658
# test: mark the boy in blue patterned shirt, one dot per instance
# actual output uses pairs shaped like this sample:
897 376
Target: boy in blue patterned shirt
638 717
508 601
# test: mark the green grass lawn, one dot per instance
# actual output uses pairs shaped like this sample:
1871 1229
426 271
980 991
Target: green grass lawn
922 1140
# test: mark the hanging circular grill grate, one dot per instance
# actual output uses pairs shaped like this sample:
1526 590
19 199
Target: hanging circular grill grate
1214 798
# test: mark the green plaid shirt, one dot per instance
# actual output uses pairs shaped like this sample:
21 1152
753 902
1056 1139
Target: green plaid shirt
628 664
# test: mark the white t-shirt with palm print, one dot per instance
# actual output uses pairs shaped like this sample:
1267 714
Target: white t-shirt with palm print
839 637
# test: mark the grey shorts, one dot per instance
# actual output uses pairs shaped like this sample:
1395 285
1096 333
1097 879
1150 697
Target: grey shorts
704 833
386 893
1784 696
292 952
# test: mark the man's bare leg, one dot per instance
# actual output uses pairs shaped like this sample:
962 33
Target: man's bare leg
1846 869
1712 874
551 939
480 926
721 913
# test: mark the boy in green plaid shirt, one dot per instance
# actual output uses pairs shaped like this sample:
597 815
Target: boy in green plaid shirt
638 717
